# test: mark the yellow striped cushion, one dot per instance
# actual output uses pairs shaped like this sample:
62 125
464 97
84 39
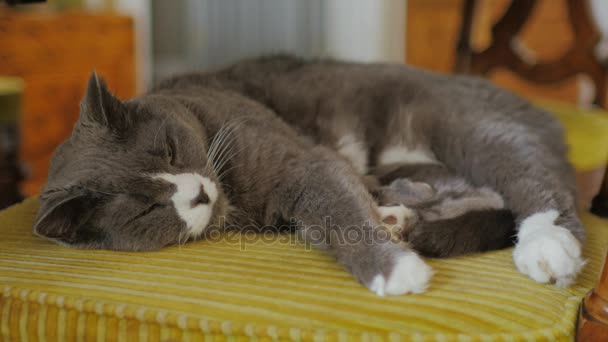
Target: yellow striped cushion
267 290
586 133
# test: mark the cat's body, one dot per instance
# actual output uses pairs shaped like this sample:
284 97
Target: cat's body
267 172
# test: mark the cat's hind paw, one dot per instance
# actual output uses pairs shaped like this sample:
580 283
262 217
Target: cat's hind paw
410 274
546 252
399 220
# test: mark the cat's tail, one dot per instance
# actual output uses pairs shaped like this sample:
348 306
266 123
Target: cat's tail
472 232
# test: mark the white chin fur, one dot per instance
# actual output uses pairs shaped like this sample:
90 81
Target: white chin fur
188 186
547 252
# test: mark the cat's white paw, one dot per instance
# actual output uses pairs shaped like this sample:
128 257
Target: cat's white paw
399 219
547 252
410 274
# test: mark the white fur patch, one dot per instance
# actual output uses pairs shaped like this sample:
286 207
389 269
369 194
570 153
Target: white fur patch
547 252
355 151
188 188
403 154
409 275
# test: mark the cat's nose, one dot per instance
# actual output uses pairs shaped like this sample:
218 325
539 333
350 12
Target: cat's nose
201 198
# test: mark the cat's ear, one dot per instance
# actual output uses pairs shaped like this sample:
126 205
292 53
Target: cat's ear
100 107
65 216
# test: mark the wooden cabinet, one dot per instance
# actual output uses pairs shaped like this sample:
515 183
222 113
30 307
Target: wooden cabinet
432 32
54 53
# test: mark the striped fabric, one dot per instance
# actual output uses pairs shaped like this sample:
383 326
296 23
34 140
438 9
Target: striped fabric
586 133
265 289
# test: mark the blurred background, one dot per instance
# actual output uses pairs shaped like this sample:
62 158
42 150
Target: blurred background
47 51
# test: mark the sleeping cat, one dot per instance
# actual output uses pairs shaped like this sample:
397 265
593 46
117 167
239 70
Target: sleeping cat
441 214
228 147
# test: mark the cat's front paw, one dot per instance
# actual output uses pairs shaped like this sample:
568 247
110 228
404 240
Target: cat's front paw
546 252
409 274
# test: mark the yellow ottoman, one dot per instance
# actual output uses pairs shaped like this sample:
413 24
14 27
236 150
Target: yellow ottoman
269 288
587 139
266 289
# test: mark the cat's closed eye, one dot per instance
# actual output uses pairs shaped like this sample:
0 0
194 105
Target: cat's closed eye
146 211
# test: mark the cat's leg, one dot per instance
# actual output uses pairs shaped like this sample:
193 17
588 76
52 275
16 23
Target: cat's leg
527 165
334 210
397 218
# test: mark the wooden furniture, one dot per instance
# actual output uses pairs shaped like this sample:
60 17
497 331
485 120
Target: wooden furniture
54 53
10 172
433 30
578 58
593 314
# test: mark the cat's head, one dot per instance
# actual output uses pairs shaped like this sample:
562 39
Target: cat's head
133 175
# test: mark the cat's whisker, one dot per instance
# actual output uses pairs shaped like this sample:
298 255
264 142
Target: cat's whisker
184 236
228 153
227 131
229 156
218 141
222 148
226 147
218 145
105 193
232 126
226 160
223 128
213 147
225 172
162 124
179 243
211 157
215 142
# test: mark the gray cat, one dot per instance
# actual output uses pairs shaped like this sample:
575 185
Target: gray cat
229 148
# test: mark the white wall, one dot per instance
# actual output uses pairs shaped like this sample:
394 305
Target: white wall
140 11
235 29
599 11
202 34
365 30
